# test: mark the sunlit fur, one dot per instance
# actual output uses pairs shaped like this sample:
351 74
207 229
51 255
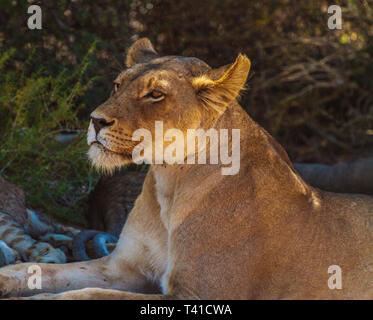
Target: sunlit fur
104 160
218 93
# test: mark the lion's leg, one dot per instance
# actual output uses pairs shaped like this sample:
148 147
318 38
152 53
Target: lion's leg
14 280
100 294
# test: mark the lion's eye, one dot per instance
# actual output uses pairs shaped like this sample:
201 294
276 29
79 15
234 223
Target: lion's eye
155 95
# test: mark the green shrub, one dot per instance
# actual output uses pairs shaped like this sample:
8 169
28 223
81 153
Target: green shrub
35 108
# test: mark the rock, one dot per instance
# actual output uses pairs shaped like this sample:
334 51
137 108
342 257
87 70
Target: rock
347 177
66 138
29 249
13 201
7 255
36 227
112 200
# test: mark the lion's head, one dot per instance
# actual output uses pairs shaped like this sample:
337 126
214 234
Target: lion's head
182 92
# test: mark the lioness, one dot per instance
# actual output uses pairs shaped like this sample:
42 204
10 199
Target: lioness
195 233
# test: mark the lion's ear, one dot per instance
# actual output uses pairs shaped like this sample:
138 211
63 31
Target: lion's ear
141 51
220 88
217 73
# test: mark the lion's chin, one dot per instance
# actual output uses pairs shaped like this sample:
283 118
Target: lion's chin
106 160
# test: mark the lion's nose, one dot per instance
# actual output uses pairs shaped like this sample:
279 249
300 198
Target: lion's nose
100 123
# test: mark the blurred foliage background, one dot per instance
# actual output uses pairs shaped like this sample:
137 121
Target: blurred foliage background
310 87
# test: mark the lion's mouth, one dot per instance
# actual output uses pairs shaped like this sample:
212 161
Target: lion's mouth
106 150
103 148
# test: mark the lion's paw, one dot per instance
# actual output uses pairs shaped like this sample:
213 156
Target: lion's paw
5 283
10 282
